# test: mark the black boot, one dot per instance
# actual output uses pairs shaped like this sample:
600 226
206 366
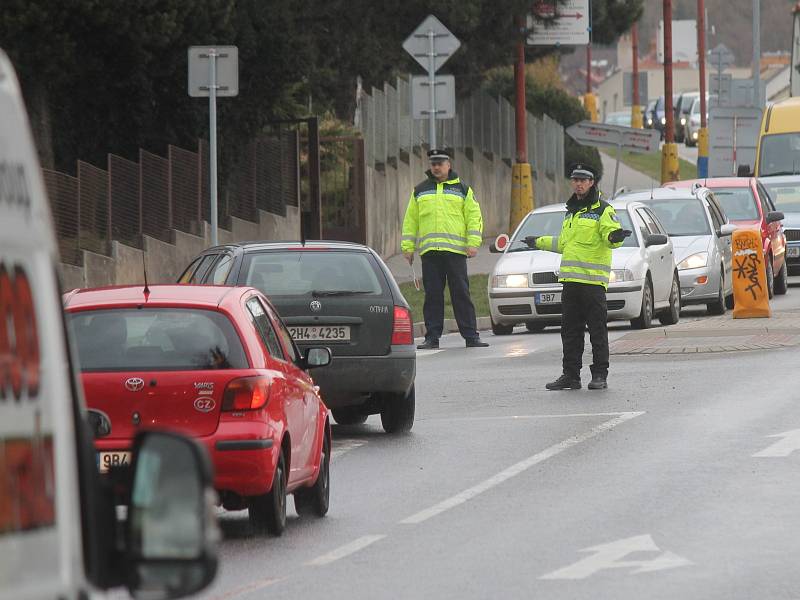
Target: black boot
565 382
429 344
476 343
598 382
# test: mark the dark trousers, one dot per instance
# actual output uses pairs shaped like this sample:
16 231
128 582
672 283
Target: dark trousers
584 305
440 267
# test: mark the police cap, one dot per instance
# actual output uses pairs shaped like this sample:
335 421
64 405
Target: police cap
581 171
438 155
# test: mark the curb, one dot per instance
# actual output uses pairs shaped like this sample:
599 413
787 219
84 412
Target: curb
450 326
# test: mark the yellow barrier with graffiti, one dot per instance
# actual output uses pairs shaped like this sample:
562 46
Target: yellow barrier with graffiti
750 292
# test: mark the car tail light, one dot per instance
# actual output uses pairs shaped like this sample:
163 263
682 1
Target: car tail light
403 330
246 393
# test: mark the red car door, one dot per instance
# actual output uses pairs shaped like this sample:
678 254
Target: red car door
773 230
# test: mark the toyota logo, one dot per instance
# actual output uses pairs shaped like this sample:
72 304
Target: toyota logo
316 305
134 384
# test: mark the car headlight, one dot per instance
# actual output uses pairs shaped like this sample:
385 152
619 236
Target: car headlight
663 120
620 275
683 120
694 135
695 261
517 280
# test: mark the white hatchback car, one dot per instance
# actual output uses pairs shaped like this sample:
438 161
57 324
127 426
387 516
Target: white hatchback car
524 288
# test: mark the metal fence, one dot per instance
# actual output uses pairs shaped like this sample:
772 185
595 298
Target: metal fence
155 195
482 124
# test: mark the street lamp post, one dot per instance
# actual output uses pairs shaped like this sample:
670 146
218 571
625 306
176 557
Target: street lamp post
521 181
702 135
636 109
669 153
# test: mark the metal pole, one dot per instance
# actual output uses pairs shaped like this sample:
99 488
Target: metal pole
670 167
702 135
432 87
212 142
757 102
520 108
636 118
616 169
589 68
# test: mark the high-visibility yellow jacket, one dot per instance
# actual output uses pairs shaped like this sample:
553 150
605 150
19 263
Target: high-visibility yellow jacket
442 216
583 243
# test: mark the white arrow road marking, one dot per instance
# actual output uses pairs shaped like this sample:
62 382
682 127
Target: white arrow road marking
422 353
345 550
783 447
516 469
609 556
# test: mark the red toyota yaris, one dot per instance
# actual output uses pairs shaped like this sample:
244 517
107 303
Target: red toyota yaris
216 363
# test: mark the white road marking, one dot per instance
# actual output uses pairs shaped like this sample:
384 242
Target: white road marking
516 469
421 353
345 445
609 556
345 550
246 589
524 417
789 442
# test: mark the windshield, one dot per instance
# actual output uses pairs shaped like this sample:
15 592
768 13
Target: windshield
549 223
155 339
780 155
785 196
738 203
681 216
312 272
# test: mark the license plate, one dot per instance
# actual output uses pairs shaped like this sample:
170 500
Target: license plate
321 333
106 460
548 297
793 251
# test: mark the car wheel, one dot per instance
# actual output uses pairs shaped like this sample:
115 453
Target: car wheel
673 314
349 416
770 277
535 327
499 329
645 318
719 306
397 414
782 282
268 512
316 499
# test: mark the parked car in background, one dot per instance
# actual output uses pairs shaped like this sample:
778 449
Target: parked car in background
660 116
643 282
649 118
215 363
747 204
340 294
683 108
701 236
784 193
622 117
693 122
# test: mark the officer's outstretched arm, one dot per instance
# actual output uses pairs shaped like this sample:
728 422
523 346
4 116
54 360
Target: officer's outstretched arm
608 224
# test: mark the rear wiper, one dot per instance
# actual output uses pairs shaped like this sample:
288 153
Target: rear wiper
319 293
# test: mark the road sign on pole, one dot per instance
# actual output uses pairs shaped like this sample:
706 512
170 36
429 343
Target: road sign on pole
564 25
431 45
213 71
445 97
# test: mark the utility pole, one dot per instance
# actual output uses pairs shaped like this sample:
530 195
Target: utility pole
589 100
670 168
702 135
757 100
521 181
636 109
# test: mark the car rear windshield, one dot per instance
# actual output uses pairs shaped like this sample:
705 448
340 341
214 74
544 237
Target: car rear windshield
549 223
780 155
156 339
785 196
681 216
312 272
737 202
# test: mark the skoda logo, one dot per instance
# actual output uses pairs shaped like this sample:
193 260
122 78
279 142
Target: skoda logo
316 305
134 384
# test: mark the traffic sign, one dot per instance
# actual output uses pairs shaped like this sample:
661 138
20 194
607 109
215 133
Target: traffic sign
418 44
226 67
564 25
588 133
721 57
445 97
732 139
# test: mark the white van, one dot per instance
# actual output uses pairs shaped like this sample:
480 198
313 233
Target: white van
60 533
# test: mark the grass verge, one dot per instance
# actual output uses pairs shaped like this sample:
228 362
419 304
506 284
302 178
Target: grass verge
650 164
477 290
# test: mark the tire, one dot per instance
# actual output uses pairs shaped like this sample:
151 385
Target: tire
397 415
770 277
673 314
315 500
782 282
499 329
268 512
645 318
349 416
535 327
719 306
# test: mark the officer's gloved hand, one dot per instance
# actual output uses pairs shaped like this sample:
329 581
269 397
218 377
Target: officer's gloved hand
530 241
618 235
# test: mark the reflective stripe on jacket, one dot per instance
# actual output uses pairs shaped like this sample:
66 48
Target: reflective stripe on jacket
583 244
442 216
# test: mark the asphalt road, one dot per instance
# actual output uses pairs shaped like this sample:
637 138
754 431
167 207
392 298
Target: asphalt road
667 485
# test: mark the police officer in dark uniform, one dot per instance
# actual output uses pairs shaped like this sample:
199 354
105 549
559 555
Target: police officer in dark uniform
588 234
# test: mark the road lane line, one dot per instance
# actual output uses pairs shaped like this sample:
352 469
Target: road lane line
343 446
429 352
522 417
246 589
345 550
516 469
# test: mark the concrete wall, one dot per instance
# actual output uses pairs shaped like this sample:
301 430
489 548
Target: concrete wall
166 260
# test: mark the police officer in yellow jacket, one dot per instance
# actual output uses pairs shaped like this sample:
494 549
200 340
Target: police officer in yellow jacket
443 223
589 232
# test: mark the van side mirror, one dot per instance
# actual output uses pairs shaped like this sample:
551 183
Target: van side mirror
726 230
774 216
744 171
655 239
317 357
172 533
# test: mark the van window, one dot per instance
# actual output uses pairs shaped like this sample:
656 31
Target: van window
155 339
780 154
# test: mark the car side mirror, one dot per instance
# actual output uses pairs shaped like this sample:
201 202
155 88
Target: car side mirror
774 216
655 239
317 357
743 171
172 532
726 230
